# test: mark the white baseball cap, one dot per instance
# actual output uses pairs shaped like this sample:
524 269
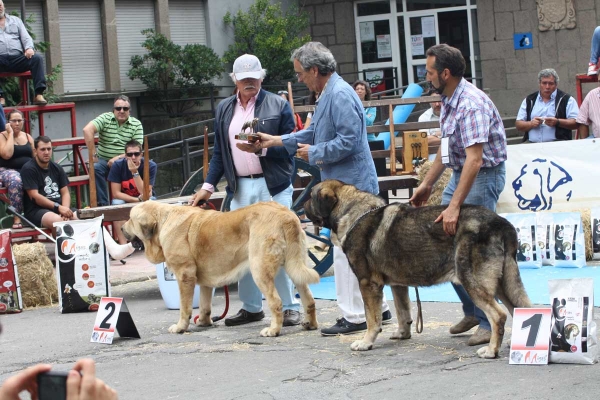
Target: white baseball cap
247 66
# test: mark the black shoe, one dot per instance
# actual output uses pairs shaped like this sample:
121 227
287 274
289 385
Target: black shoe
343 327
386 317
292 318
244 317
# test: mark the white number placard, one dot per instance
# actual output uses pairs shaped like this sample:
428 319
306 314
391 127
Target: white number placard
530 341
113 315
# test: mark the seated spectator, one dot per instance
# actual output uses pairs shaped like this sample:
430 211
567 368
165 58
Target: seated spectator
432 114
589 114
594 64
285 95
549 114
16 149
126 179
114 129
47 198
363 90
17 54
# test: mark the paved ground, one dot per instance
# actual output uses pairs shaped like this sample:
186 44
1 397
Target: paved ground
236 363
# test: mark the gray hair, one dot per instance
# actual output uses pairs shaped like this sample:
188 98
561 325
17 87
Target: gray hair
314 54
122 97
546 73
263 74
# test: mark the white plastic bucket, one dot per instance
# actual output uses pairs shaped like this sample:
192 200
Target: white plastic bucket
169 289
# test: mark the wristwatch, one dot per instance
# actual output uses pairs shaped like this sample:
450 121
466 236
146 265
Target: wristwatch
136 174
56 205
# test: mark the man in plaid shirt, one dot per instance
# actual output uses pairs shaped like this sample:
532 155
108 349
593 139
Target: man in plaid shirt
474 146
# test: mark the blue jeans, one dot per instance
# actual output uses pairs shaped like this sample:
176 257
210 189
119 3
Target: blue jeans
101 170
250 191
116 202
595 51
485 191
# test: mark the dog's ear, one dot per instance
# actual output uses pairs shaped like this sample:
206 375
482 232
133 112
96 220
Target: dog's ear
148 225
326 199
557 176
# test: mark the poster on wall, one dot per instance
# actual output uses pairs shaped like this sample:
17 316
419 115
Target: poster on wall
416 45
367 32
375 79
428 26
384 46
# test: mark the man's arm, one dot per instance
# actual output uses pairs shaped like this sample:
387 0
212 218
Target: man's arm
469 172
584 131
423 191
521 123
89 131
26 39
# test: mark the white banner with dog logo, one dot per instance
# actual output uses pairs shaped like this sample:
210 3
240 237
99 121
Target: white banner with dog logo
557 176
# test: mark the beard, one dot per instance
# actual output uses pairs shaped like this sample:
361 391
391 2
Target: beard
441 88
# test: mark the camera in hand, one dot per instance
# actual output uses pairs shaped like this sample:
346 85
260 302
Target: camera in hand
52 385
251 138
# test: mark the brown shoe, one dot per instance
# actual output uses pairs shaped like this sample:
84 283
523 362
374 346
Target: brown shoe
481 336
464 325
39 100
291 318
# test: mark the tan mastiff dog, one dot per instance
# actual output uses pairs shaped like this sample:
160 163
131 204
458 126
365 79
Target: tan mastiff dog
401 246
213 249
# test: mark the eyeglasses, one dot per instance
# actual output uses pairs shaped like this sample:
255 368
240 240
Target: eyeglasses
134 154
16 121
122 108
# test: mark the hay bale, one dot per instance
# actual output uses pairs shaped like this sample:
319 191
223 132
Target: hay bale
36 274
436 193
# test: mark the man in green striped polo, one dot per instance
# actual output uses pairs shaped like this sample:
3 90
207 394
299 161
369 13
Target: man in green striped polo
114 129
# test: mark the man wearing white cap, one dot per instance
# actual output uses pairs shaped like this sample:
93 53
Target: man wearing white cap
253 177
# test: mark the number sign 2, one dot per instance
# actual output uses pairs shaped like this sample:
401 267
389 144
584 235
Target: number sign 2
113 315
530 341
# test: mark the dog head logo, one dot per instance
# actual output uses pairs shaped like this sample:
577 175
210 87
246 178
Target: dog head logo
540 183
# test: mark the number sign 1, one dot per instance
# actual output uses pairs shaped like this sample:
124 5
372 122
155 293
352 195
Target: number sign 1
530 341
113 314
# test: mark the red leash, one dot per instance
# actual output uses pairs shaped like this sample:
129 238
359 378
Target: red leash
208 205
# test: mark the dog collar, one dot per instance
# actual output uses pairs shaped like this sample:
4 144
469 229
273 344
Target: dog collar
361 217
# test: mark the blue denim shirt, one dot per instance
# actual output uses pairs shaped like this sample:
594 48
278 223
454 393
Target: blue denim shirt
338 137
14 39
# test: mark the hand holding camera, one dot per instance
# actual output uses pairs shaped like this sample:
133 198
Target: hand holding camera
78 384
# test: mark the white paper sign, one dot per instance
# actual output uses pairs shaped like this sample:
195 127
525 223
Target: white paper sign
416 45
428 26
384 46
530 340
367 32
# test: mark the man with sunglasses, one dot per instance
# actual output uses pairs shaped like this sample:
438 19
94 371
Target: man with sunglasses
126 179
114 130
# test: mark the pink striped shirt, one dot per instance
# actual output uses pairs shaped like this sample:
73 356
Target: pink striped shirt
589 112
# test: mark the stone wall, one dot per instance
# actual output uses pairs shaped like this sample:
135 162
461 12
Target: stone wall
510 75
332 23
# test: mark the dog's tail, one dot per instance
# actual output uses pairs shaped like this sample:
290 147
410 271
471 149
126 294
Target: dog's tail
296 256
512 284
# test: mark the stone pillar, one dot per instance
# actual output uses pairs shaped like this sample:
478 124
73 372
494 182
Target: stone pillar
110 45
161 17
52 35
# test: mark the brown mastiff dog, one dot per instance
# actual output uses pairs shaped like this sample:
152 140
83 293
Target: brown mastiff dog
400 246
213 249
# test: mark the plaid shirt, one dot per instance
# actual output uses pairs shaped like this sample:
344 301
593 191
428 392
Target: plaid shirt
467 118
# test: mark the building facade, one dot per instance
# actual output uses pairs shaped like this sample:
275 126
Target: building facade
388 38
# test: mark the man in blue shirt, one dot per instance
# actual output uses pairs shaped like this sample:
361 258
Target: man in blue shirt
549 114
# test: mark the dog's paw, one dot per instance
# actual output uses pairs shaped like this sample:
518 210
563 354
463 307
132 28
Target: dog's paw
269 332
309 326
400 335
204 322
175 328
361 345
486 352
